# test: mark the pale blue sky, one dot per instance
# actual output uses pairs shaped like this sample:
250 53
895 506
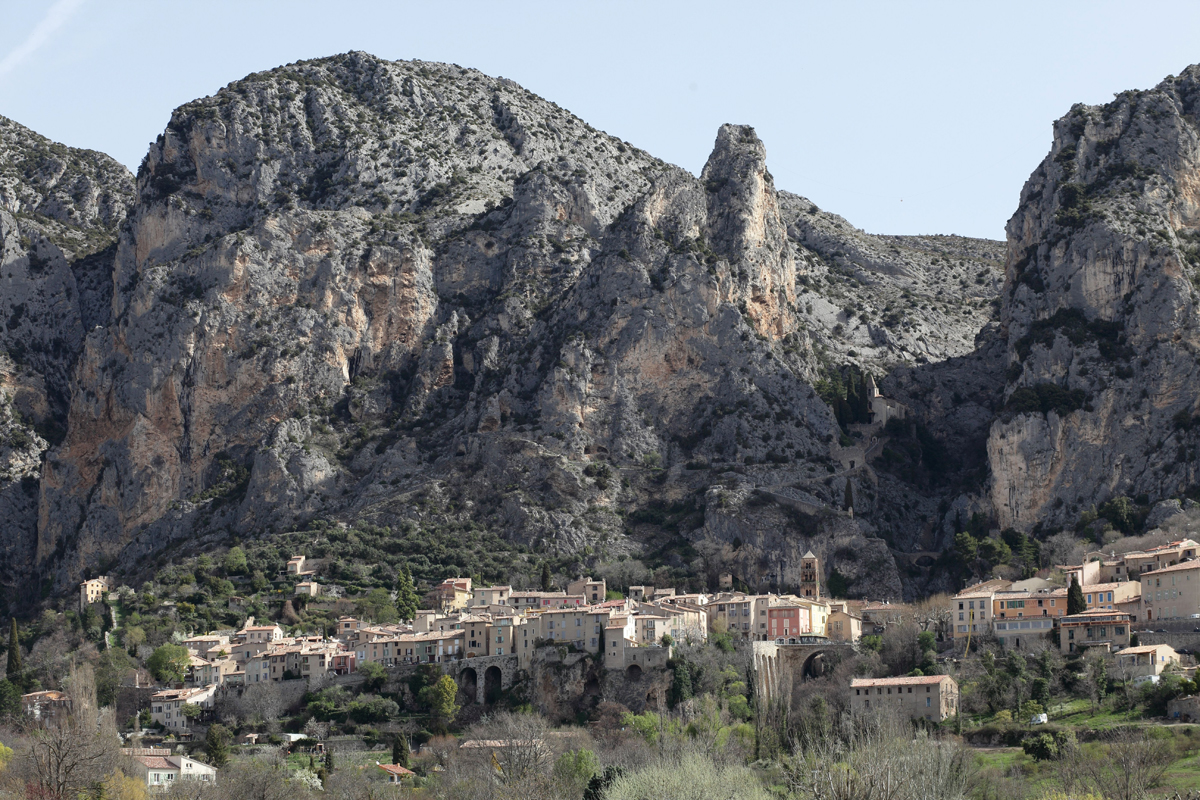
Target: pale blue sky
903 117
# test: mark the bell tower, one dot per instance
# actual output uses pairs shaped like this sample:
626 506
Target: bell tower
810 576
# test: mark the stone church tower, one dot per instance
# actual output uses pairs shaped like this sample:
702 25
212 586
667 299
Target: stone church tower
810 576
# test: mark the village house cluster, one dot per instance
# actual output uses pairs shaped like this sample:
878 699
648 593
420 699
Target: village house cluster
1119 592
470 621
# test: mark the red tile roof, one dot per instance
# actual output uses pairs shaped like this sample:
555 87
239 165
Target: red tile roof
396 769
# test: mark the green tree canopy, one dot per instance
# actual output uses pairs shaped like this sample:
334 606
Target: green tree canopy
376 605
235 561
258 581
374 676
441 698
169 663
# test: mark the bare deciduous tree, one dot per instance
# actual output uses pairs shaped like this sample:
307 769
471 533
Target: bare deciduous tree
1129 764
68 754
878 757
516 745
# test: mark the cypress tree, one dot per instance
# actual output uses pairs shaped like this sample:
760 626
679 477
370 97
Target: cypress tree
14 651
400 751
1075 603
407 601
681 684
843 413
545 576
849 500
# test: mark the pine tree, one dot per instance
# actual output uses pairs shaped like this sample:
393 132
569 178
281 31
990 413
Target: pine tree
1075 604
545 576
407 601
14 651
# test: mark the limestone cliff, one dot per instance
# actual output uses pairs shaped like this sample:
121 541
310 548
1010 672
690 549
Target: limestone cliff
60 209
1100 312
406 293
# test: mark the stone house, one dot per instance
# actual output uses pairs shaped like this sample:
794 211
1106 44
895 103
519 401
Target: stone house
1148 659
308 589
742 614
260 634
1172 592
93 591
166 707
593 591
160 772
1099 627
1140 562
46 705
1108 595
843 625
931 697
972 609
452 593
490 596
1184 709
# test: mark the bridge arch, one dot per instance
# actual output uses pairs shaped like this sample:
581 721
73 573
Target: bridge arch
492 684
468 683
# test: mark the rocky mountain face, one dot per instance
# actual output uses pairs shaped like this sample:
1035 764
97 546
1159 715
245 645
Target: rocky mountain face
412 294
60 209
1100 313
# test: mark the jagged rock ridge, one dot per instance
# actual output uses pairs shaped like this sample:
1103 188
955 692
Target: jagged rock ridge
410 293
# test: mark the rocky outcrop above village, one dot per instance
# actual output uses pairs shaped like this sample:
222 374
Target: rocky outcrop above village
413 295
1100 313
60 209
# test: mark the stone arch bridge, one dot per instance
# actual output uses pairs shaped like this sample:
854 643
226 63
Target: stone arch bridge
781 663
483 678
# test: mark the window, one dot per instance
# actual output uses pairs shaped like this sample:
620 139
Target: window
928 702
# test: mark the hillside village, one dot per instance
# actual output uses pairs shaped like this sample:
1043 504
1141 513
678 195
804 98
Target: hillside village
490 641
394 432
